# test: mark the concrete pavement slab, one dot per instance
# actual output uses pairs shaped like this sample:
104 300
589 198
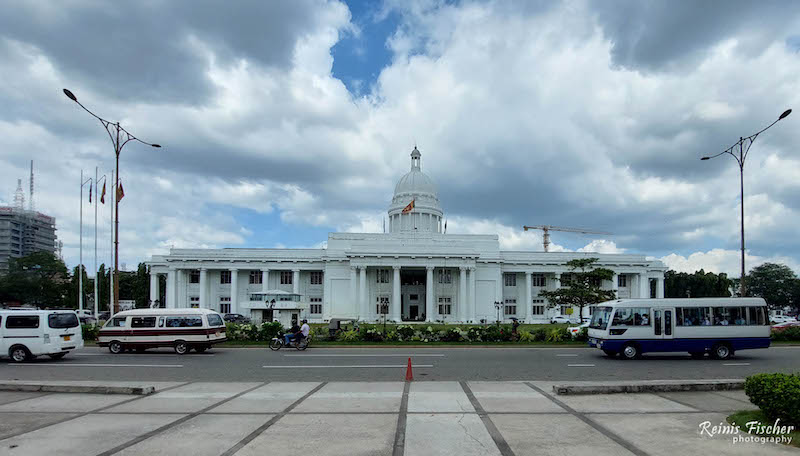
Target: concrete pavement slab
623 403
203 435
438 397
15 423
738 395
456 434
185 399
512 397
79 437
270 398
323 435
554 434
354 397
86 386
65 402
677 433
708 401
14 396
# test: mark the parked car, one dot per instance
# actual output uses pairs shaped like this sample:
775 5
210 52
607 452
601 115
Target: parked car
87 320
236 318
562 319
777 319
783 326
575 330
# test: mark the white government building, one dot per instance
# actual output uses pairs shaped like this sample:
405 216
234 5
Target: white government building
414 272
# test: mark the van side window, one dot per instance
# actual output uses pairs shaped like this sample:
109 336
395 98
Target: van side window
214 320
184 322
143 322
118 322
22 321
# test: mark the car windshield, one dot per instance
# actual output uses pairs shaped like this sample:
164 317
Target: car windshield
600 317
62 320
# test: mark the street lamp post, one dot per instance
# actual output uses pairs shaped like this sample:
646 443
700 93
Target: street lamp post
743 146
119 137
498 305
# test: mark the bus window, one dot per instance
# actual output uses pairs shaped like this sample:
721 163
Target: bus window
600 318
693 316
657 321
632 316
668 322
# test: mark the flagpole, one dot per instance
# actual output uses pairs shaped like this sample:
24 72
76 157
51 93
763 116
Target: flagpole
80 254
95 249
111 250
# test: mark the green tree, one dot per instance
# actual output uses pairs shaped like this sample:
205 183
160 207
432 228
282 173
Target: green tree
701 284
135 285
40 279
71 300
583 287
776 283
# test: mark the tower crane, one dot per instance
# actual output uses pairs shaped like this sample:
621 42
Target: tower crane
547 228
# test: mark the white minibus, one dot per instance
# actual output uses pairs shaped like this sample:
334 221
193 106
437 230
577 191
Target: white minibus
182 329
26 333
717 326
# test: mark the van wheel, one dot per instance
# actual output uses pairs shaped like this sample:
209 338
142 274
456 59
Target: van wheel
630 351
115 347
181 347
57 355
19 354
721 351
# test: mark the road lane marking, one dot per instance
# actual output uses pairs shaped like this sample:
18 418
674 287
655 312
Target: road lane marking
354 366
566 355
580 365
372 356
736 364
96 365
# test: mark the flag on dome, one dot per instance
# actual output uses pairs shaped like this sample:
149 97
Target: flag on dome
409 208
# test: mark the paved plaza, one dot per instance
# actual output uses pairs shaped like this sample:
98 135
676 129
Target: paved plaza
368 418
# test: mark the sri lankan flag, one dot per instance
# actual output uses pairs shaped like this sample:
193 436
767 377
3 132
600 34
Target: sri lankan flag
409 208
120 192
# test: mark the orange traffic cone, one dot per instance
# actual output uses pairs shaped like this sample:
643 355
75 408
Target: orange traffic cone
409 374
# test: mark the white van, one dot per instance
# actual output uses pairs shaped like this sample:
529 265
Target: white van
27 333
182 329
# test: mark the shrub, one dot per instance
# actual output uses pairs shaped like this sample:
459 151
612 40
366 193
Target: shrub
348 336
497 334
392 336
90 332
451 335
777 395
525 336
582 336
791 333
540 334
269 330
405 332
475 333
372 335
556 335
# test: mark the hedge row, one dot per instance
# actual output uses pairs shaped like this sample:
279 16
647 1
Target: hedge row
503 333
777 395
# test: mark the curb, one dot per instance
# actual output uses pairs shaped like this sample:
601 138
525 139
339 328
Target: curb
67 388
656 386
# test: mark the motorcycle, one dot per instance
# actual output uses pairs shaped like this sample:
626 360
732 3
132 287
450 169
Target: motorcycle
279 342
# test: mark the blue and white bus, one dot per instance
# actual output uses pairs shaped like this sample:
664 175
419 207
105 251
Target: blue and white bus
717 326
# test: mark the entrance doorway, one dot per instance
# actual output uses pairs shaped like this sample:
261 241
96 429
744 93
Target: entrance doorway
412 294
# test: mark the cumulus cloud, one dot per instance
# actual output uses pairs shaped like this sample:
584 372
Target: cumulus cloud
581 114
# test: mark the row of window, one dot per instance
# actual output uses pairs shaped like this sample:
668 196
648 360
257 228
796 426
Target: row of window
695 316
540 280
56 321
257 277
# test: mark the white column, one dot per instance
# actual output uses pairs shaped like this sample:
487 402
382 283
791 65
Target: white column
660 287
644 286
354 288
429 293
462 294
615 283
395 305
171 289
528 314
203 288
153 287
295 281
362 292
234 290
472 302
264 279
557 281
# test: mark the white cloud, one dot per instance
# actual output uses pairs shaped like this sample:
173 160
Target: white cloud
720 260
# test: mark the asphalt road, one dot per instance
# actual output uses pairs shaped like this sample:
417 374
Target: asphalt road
380 364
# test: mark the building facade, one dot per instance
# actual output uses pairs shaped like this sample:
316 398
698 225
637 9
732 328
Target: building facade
415 272
23 232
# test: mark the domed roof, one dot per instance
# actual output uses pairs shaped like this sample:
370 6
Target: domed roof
416 182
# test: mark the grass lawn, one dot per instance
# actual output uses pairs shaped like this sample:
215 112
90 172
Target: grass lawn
742 418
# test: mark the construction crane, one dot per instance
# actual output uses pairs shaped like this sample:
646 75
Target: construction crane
547 228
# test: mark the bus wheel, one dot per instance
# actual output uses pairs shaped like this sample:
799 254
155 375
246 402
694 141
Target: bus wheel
115 347
721 351
697 355
19 353
181 347
630 351
610 353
